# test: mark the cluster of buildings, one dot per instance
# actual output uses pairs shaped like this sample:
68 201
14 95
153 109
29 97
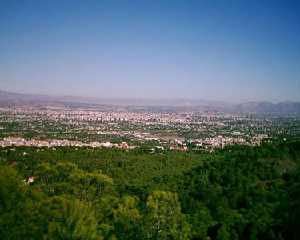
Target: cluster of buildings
18 142
211 143
217 142
98 127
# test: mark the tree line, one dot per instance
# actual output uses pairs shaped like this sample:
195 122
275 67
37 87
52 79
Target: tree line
239 192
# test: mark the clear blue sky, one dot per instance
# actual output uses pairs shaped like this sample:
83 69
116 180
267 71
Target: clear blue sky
222 50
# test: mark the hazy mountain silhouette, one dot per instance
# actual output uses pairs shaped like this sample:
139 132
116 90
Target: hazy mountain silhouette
11 98
268 107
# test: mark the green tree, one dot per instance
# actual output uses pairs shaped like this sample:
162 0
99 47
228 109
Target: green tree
19 214
164 218
72 219
91 185
127 218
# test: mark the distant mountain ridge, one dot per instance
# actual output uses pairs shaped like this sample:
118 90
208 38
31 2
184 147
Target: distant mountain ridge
268 107
11 98
20 98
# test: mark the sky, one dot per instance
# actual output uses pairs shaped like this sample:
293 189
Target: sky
215 50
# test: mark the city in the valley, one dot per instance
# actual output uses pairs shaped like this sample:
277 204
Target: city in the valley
149 120
155 128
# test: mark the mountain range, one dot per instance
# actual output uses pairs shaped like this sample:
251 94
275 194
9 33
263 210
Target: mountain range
18 99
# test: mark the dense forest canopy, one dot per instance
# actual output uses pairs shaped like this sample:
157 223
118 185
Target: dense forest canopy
239 192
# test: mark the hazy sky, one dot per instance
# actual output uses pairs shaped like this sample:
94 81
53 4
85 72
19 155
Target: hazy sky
222 50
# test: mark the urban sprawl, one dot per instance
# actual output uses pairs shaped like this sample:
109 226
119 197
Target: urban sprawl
125 128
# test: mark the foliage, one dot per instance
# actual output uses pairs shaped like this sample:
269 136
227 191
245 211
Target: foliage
238 192
164 218
71 219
